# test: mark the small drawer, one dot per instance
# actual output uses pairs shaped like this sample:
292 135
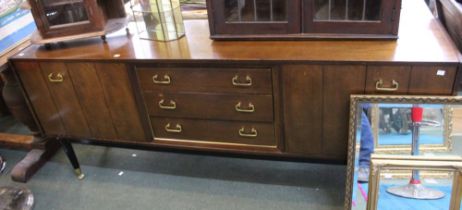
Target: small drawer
215 131
432 80
388 79
258 108
206 80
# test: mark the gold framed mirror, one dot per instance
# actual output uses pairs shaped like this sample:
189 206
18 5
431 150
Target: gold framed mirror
361 147
391 131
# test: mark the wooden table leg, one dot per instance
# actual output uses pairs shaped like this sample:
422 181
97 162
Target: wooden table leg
69 150
33 161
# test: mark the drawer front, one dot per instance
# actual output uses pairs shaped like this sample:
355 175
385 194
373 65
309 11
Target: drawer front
215 131
416 79
432 80
258 108
388 79
206 80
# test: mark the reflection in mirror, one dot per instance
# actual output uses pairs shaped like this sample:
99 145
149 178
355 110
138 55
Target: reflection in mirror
392 131
392 192
395 126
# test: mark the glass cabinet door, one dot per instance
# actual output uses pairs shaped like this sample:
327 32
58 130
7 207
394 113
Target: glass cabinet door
356 16
57 18
265 11
60 13
347 10
256 16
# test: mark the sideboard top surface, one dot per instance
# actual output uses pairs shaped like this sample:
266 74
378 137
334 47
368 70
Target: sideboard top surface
421 39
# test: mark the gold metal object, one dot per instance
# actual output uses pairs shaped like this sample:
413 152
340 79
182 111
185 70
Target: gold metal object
379 86
177 129
170 106
253 133
355 101
58 78
165 81
247 83
250 108
79 174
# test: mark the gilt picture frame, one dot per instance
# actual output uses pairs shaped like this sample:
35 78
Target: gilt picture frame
355 101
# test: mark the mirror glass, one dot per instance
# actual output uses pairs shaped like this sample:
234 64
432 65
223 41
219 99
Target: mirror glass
437 184
397 128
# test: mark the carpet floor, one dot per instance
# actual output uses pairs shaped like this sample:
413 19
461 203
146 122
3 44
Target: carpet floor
133 179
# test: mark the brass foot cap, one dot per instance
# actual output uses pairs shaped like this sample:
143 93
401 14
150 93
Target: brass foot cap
79 174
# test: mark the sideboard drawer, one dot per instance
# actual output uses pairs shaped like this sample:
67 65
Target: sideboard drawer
416 79
215 131
432 80
387 79
257 108
206 79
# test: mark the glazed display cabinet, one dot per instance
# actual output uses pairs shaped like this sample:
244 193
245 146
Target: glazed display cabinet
301 19
56 18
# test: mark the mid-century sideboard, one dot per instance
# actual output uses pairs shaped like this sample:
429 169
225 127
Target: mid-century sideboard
281 99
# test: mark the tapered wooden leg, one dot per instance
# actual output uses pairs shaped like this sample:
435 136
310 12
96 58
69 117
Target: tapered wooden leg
69 150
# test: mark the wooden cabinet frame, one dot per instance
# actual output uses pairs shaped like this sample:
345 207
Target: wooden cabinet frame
96 20
301 24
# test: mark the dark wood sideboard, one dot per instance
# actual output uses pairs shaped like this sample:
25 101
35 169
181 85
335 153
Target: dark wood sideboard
287 99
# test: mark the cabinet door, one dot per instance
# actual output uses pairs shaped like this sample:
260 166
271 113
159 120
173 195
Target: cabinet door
316 108
351 16
340 81
302 102
230 17
42 103
63 95
107 99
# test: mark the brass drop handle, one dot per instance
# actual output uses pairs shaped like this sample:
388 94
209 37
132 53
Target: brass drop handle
379 86
247 83
252 134
58 78
250 108
176 129
170 106
165 81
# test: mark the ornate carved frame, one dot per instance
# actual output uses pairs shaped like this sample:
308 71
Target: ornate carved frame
355 100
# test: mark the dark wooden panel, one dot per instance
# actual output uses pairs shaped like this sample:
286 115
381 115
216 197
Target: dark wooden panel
302 105
66 100
215 131
91 97
387 74
36 88
119 96
206 79
432 80
340 81
211 106
450 13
